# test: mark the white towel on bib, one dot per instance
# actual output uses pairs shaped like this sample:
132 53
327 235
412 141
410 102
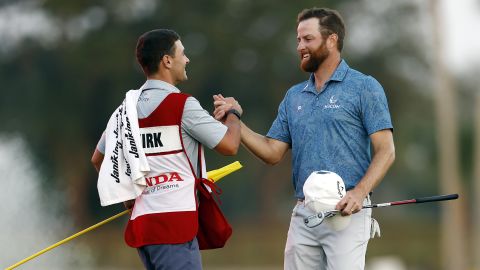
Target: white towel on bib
121 177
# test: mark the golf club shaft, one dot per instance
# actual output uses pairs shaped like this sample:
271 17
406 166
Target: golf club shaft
419 200
317 219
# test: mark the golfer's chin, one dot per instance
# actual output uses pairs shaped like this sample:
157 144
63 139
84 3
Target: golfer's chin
308 66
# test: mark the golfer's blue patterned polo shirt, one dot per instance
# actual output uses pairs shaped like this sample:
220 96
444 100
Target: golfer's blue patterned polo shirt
330 130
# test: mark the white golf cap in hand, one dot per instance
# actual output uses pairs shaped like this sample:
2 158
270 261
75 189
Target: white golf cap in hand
323 190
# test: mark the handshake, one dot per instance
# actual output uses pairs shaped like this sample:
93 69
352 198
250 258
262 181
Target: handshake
224 106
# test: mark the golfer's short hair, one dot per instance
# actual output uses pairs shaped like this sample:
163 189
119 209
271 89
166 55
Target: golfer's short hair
330 22
152 46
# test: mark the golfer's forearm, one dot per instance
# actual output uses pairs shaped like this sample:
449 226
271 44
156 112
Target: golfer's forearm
260 146
381 162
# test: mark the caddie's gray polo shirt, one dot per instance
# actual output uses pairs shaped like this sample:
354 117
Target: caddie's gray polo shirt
197 124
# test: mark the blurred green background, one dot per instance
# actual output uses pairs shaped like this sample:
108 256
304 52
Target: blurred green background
66 65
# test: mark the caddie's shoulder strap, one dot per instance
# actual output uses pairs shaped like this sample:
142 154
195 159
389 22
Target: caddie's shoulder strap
199 162
174 104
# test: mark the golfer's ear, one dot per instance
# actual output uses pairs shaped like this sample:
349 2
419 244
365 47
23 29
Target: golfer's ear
332 41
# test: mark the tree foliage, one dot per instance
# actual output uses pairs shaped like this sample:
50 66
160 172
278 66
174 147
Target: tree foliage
59 97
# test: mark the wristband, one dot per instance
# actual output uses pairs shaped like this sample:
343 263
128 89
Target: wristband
237 113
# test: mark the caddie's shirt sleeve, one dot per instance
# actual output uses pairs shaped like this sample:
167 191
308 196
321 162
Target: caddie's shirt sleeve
279 129
101 144
375 113
199 124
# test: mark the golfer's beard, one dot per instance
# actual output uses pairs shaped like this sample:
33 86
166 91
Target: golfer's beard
315 60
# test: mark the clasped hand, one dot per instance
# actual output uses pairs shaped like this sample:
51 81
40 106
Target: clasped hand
222 105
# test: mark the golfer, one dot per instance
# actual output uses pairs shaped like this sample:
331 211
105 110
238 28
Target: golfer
329 122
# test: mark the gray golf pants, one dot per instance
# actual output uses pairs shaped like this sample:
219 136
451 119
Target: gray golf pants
322 248
171 256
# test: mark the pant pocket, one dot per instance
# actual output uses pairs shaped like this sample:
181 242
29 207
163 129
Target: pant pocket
374 229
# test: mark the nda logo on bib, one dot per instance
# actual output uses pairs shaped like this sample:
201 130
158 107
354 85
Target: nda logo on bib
163 178
163 182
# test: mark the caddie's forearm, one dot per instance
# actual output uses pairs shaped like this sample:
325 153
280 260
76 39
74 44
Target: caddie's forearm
381 162
233 124
259 145
231 141
97 159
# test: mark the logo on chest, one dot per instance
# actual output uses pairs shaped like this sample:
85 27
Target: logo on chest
332 103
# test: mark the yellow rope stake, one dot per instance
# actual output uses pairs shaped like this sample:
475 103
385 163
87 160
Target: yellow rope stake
213 175
218 174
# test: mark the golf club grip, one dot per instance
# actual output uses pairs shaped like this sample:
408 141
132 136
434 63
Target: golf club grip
437 198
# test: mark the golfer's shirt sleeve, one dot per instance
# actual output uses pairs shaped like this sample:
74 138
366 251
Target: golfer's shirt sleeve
279 129
374 106
200 125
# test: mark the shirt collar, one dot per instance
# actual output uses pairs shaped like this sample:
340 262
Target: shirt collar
340 72
338 75
158 84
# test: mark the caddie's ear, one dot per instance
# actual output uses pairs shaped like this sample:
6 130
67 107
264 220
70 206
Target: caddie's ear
167 61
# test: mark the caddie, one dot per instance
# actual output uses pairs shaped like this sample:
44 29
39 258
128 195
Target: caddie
172 130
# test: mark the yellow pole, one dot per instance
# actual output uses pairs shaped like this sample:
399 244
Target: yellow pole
213 175
67 239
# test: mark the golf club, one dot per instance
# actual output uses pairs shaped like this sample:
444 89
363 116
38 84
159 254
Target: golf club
317 219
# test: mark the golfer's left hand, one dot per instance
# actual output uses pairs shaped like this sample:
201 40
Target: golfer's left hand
351 203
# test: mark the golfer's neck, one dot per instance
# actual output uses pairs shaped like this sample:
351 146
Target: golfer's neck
326 69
